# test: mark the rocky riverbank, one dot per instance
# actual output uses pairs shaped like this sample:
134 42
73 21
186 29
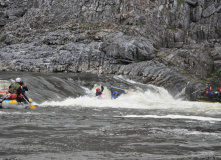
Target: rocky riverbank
169 43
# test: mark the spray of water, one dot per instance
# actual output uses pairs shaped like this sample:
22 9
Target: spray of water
147 97
159 98
4 84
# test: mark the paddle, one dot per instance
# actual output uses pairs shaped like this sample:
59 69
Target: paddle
102 96
31 106
182 98
197 91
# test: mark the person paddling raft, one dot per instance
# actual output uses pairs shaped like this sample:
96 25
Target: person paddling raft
209 92
115 94
15 88
99 91
23 89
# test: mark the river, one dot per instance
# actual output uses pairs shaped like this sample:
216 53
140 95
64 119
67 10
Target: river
71 123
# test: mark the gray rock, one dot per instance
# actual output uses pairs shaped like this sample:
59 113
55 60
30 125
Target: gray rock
218 9
218 57
3 4
209 11
217 64
191 2
196 14
2 22
201 3
155 42
128 48
175 44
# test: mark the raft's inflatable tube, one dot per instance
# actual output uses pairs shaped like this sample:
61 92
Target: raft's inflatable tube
13 104
3 91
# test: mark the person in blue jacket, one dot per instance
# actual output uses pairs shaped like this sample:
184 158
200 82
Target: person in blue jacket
209 92
115 94
99 91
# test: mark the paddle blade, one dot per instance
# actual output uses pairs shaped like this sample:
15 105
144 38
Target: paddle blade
130 91
102 96
32 107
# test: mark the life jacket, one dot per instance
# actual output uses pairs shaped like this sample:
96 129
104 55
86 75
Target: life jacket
14 87
209 90
21 94
22 90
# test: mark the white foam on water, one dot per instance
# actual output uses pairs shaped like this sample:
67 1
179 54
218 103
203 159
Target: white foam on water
200 118
121 78
10 112
88 91
138 100
4 84
156 98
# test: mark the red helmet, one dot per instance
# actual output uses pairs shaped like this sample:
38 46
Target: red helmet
98 89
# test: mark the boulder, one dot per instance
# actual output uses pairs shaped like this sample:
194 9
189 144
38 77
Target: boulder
218 57
217 64
209 11
218 9
196 14
2 22
191 2
127 48
175 44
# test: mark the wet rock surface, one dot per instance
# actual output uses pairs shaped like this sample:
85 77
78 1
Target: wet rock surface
162 42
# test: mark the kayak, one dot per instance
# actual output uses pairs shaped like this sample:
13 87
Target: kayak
13 104
210 100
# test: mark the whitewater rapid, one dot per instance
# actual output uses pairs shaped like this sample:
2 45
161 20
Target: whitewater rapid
146 122
138 96
156 98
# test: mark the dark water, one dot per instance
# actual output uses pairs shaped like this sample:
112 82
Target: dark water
141 125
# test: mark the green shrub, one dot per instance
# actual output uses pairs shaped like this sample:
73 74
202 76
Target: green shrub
174 29
218 71
180 1
3 38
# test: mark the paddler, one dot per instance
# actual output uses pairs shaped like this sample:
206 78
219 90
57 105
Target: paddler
115 94
15 88
99 91
209 92
23 89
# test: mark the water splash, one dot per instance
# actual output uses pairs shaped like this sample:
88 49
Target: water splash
144 97
4 84
159 99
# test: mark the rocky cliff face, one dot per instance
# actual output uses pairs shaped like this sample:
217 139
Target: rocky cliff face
164 42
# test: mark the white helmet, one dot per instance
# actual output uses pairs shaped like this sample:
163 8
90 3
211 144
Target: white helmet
18 80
